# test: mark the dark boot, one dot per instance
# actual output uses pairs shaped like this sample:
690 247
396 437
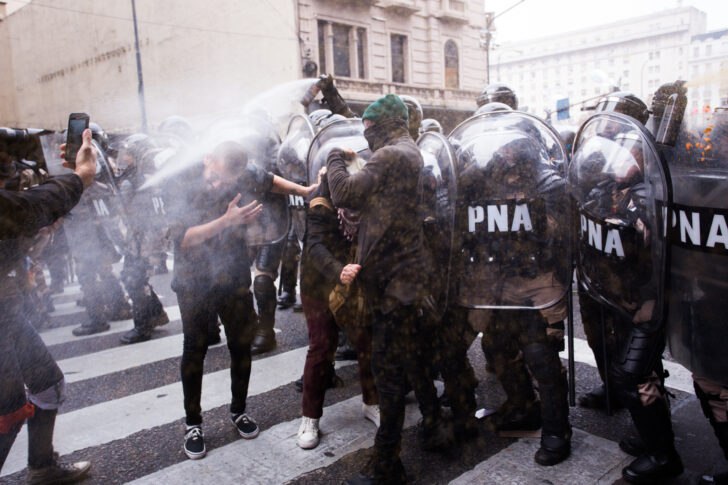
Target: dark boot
553 450
380 471
90 329
136 335
660 462
437 434
265 297
515 422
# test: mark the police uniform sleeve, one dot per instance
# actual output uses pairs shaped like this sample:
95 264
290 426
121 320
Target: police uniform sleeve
24 213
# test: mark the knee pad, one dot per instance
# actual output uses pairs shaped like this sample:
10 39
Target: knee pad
543 362
268 259
263 286
641 353
51 397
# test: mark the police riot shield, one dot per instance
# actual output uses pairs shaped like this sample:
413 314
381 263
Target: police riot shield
261 143
291 164
512 222
438 205
345 133
94 227
698 246
618 183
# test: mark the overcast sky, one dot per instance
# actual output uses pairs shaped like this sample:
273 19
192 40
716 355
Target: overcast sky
539 18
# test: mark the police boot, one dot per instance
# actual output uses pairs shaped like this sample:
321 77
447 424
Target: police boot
265 296
660 462
140 333
287 297
437 434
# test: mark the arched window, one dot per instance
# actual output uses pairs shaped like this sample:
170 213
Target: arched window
452 65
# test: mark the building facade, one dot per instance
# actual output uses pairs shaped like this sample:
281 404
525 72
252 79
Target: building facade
199 60
637 55
708 71
207 60
429 49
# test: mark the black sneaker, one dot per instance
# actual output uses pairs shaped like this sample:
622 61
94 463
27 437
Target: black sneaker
247 427
58 472
84 329
194 443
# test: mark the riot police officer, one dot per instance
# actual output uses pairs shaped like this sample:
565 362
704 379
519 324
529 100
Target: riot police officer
497 93
135 158
620 263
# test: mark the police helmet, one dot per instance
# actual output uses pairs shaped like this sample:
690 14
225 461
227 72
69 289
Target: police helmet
137 149
98 134
430 124
414 109
318 116
626 103
491 107
498 93
176 125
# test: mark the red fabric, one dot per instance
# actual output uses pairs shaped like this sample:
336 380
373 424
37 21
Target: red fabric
9 421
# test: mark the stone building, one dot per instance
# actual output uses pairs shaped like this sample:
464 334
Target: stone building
204 60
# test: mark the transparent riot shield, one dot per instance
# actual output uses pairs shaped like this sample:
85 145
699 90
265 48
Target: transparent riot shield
291 165
438 205
512 222
697 231
51 145
618 183
347 133
94 227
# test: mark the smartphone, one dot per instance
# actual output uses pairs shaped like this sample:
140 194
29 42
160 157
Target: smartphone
77 122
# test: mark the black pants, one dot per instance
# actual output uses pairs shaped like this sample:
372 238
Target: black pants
145 302
514 331
398 357
235 309
25 362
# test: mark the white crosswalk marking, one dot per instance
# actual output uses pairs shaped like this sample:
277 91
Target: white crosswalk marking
91 426
274 456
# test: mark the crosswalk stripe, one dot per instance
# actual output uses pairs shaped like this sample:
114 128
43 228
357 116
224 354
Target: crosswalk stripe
116 359
112 420
593 460
274 456
62 335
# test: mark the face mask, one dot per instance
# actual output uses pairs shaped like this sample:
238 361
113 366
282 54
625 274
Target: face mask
371 136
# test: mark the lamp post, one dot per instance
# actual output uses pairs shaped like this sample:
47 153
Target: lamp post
140 78
487 35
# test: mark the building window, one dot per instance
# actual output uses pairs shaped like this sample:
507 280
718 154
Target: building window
696 51
398 46
708 50
342 49
452 65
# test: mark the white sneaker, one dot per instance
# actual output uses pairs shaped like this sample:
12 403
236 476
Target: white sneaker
371 412
308 433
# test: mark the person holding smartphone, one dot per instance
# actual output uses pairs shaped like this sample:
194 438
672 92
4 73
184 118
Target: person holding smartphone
24 359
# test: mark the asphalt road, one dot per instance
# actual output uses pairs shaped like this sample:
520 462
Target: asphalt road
124 413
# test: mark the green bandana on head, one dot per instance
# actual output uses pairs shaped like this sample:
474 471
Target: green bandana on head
390 106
